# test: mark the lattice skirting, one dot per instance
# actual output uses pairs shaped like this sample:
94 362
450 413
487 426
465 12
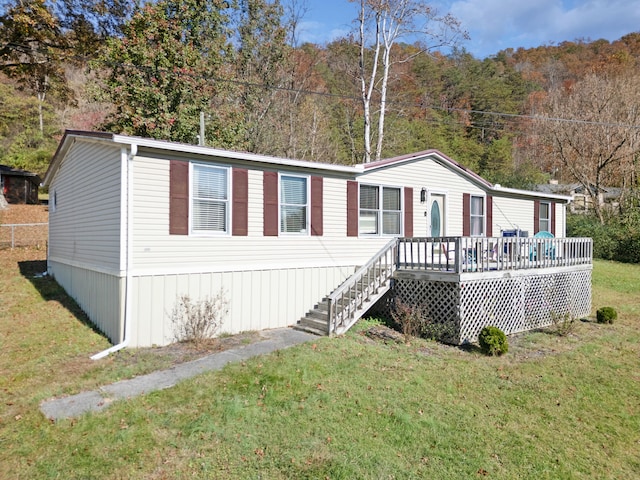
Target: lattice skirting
513 304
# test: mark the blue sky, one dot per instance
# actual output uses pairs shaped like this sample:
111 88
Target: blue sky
497 24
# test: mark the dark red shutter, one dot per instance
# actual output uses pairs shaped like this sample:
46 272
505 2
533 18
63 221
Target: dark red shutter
316 206
552 217
466 214
240 196
536 216
270 188
178 197
408 212
352 209
489 216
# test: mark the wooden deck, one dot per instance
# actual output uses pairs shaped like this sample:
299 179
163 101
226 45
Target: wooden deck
485 254
515 284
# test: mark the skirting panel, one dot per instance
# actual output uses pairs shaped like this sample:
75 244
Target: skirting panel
100 295
255 300
513 304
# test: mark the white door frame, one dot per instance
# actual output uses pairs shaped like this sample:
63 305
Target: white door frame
445 211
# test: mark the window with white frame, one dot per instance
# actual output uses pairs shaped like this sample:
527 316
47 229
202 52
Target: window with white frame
294 204
544 223
210 199
477 216
380 210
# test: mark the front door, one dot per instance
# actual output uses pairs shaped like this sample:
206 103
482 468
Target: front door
436 215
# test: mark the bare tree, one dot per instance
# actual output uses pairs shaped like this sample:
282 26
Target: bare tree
382 24
592 130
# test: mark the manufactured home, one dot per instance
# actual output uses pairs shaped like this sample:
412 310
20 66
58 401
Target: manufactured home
136 223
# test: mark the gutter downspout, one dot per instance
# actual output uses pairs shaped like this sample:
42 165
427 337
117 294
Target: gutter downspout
127 162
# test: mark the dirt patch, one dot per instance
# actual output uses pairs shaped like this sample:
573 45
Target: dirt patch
24 214
181 352
17 227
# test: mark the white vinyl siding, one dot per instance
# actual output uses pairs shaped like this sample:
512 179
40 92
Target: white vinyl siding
372 216
429 174
85 227
477 213
156 251
294 204
210 199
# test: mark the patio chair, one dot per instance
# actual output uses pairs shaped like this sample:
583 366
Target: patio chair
548 249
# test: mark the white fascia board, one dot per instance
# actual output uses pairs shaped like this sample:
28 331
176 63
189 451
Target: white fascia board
233 155
529 193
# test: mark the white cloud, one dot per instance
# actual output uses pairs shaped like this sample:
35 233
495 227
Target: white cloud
498 24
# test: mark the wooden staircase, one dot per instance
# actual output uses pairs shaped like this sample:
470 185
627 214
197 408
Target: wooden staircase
338 311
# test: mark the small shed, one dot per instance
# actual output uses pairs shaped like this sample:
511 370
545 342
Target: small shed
19 186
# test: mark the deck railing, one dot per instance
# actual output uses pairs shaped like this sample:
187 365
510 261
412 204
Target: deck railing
478 254
346 303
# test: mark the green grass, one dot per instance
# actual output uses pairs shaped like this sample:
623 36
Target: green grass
340 408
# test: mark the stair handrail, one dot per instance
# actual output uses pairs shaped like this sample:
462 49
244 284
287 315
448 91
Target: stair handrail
388 252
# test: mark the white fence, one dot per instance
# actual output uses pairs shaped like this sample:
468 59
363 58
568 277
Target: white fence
14 235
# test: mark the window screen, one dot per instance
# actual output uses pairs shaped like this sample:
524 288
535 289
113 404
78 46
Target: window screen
210 198
391 211
380 206
545 217
369 207
293 204
477 216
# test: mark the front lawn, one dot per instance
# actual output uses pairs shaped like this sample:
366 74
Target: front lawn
339 408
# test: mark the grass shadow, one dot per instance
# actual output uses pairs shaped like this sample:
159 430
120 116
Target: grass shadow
51 291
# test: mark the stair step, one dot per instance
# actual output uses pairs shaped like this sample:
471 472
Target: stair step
318 314
306 328
314 322
313 325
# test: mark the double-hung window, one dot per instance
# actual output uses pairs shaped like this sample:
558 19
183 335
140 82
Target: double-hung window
544 211
210 199
294 204
477 216
380 210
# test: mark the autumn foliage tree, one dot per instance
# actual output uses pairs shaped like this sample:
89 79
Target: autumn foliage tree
591 130
168 66
33 51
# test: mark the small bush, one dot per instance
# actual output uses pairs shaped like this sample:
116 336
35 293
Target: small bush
562 324
414 321
493 341
408 318
198 322
606 315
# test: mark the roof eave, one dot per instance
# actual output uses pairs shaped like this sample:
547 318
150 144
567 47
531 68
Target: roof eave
530 193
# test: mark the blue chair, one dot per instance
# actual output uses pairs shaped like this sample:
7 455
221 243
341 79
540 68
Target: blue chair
549 247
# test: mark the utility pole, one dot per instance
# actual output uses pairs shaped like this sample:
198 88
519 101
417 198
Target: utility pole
201 136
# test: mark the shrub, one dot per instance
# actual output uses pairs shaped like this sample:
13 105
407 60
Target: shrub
414 321
606 315
408 318
562 323
198 322
617 239
493 341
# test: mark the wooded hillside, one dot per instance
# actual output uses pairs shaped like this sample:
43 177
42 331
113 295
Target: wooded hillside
519 117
